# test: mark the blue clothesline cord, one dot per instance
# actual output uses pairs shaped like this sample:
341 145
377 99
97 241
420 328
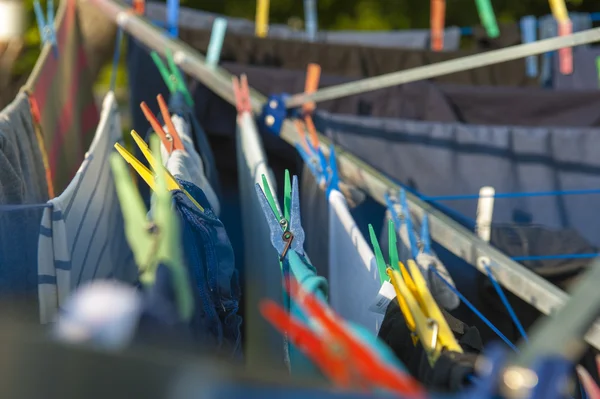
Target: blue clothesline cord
468 30
554 257
510 195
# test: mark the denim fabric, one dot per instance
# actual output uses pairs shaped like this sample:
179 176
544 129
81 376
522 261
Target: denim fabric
210 261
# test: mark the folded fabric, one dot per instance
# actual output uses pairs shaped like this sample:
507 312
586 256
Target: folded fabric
210 261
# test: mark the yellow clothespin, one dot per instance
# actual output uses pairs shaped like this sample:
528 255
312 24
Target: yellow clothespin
145 173
422 314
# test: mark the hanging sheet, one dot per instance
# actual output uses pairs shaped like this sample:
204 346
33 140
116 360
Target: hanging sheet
62 90
82 236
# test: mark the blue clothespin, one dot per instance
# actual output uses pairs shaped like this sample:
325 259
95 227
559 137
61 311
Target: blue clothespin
552 373
217 35
529 35
486 385
425 237
311 162
333 180
173 18
310 19
46 24
414 247
274 113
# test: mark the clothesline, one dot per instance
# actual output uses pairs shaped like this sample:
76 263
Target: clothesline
458 240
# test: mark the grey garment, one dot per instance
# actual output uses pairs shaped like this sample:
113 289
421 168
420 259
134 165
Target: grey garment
22 181
264 346
548 28
585 71
315 221
456 159
440 291
416 39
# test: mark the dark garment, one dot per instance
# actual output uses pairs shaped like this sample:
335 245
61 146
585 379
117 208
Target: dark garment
585 71
451 371
210 261
352 61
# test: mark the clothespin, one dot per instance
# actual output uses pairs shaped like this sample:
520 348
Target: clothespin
341 356
565 28
333 180
146 174
589 385
393 251
430 325
414 246
157 242
172 76
598 69
425 236
488 18
262 18
217 35
529 35
437 21
242 94
173 17
485 212
46 24
170 140
139 7
310 19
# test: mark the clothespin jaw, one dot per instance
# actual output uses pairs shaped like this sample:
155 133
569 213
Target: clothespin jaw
157 242
171 141
241 92
46 24
172 76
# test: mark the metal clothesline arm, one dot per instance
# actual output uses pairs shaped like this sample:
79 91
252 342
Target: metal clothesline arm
522 282
444 68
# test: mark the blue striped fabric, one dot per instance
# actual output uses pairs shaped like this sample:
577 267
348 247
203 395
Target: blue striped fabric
82 236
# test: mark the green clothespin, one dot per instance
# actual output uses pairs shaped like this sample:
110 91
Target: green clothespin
172 76
393 251
488 18
287 195
269 194
156 242
598 69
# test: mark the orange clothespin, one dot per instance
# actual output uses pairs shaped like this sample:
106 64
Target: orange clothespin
171 141
347 360
139 6
242 94
313 75
437 21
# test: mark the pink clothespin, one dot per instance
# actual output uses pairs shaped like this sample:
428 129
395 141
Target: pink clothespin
565 55
242 94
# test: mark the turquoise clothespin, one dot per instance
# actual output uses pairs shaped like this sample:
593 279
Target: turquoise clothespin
172 76
46 24
488 18
425 236
173 17
217 35
333 180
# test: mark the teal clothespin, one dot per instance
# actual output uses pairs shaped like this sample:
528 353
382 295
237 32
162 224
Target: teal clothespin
488 18
172 76
217 35
158 242
46 24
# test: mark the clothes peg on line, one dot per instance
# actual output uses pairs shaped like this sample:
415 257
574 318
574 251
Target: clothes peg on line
437 21
241 92
529 35
139 7
310 19
488 18
159 242
171 141
565 28
172 76
215 45
46 25
262 18
173 18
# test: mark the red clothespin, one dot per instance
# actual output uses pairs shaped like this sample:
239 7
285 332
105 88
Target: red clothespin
139 6
437 21
171 141
242 94
349 360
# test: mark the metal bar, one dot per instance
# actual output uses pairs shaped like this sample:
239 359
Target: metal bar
445 68
522 282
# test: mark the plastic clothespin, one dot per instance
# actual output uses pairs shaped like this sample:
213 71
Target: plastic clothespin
310 19
598 69
241 92
393 252
344 358
589 385
171 141
172 76
173 18
488 18
529 35
146 174
414 247
46 24
565 28
425 236
215 45
158 242
431 326
262 18
437 21
139 7
333 180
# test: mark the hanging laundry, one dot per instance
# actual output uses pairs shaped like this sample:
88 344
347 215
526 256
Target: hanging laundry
82 234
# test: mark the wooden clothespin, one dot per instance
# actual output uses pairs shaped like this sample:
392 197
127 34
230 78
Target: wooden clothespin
488 18
565 28
241 92
172 76
46 24
262 18
146 174
170 140
437 21
158 242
